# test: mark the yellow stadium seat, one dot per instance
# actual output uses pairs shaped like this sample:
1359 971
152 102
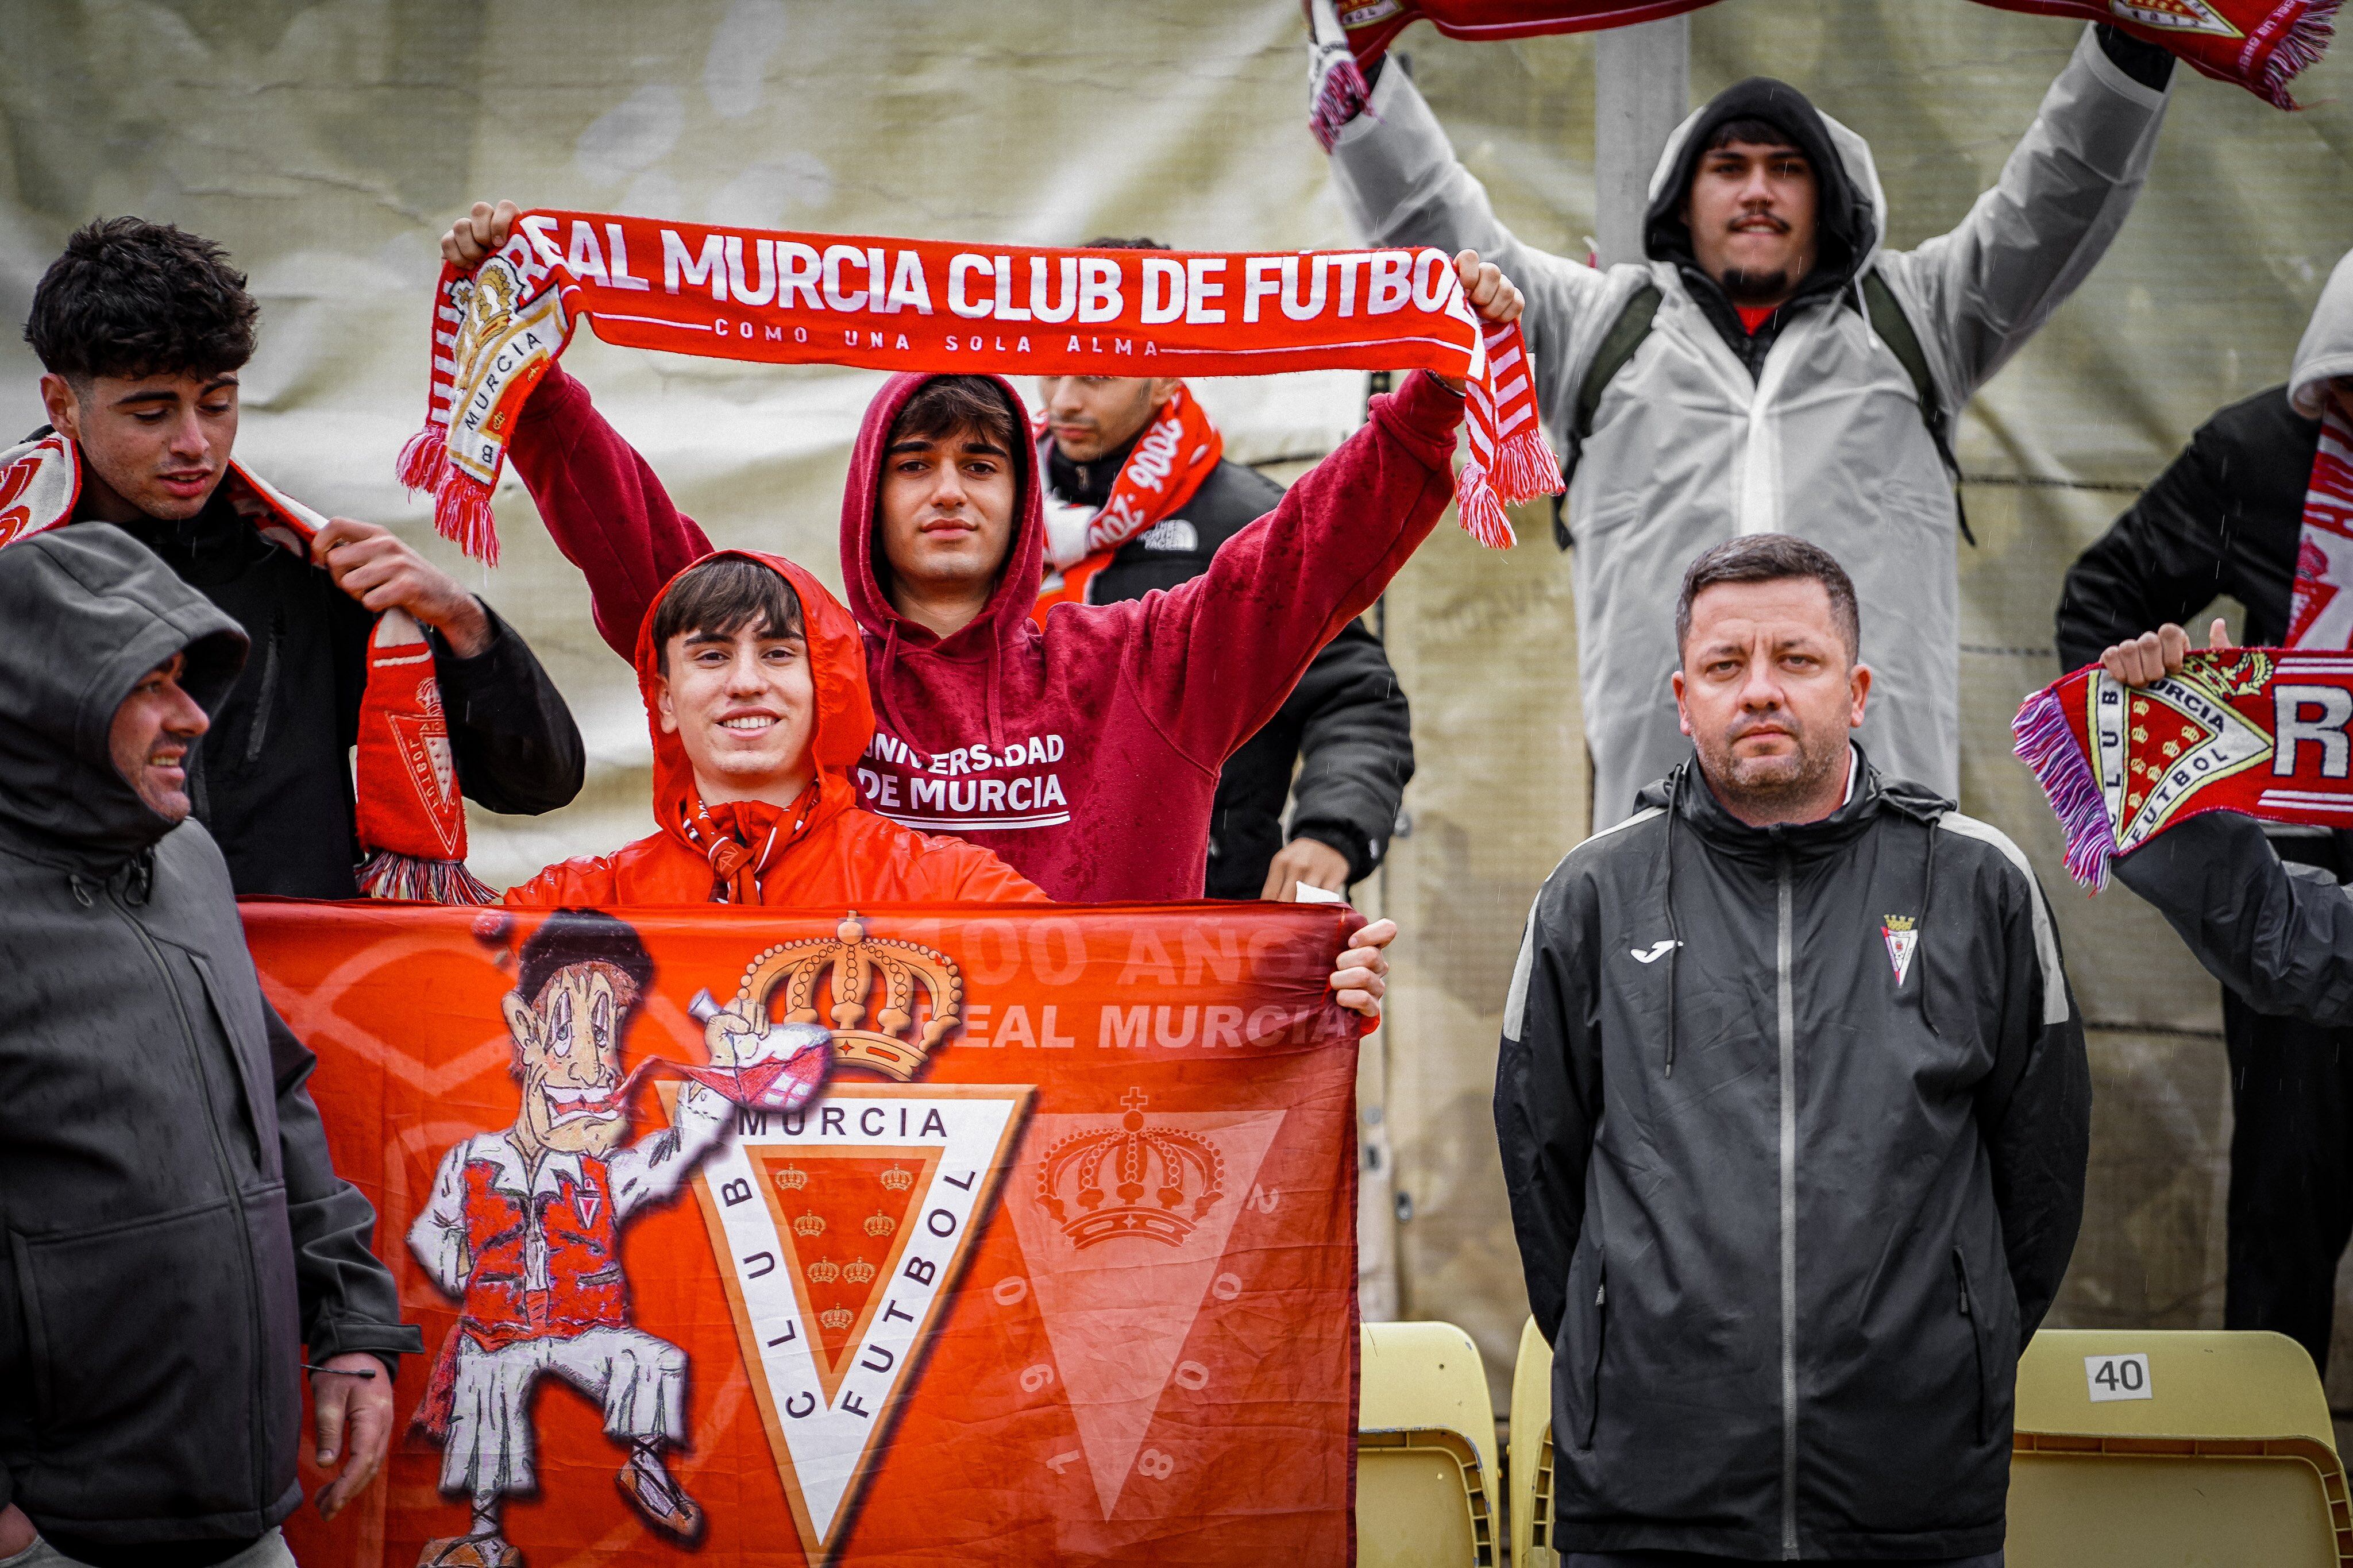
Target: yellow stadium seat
1531 1453
2214 1449
1424 1450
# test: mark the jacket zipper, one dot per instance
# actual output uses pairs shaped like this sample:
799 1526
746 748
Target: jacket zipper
1976 1336
1593 1384
228 1168
1788 1030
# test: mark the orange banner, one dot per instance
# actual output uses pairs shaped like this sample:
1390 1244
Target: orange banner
1058 1267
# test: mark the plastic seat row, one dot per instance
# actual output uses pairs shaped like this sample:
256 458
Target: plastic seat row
2133 1449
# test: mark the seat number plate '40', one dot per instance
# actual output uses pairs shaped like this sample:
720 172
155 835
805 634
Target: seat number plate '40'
2117 1377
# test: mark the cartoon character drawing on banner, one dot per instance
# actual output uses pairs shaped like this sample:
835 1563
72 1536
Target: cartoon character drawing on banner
522 1228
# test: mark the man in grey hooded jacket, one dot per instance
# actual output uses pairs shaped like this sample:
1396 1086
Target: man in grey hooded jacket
1794 1109
1764 398
178 1245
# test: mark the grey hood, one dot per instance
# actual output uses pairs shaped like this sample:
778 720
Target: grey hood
90 610
2326 350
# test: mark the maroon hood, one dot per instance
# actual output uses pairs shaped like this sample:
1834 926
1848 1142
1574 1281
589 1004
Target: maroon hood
1024 563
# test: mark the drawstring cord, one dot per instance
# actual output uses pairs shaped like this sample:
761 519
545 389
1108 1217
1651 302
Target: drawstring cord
996 721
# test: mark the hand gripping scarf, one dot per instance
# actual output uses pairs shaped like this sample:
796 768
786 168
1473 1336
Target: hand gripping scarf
412 819
2258 731
933 306
1163 469
2259 44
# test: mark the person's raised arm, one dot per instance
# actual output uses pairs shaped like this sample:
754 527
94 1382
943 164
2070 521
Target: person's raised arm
1977 293
1548 1089
1402 185
1213 658
599 500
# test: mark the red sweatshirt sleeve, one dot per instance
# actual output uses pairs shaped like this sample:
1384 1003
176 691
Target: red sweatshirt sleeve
1218 655
600 500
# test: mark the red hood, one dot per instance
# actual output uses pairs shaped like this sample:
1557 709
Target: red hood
844 721
1025 564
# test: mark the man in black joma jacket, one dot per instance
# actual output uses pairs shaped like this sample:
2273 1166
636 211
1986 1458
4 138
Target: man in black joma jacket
176 1244
1346 727
1794 1109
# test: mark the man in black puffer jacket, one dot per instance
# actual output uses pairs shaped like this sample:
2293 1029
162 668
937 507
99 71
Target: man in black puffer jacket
1794 1110
2227 518
177 1244
1346 726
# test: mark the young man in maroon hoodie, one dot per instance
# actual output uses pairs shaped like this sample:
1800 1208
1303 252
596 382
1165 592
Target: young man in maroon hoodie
1084 752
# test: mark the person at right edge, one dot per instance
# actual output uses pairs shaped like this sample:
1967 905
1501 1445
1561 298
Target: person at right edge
1772 366
1794 1110
2229 516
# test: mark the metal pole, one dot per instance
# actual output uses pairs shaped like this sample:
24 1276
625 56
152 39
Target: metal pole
1641 78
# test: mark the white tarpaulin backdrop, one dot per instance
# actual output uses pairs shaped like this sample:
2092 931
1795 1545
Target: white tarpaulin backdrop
328 144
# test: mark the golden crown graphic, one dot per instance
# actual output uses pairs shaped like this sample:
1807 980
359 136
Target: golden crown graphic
825 1271
1133 1180
855 960
897 1180
859 1271
836 1317
810 1225
792 1178
880 1224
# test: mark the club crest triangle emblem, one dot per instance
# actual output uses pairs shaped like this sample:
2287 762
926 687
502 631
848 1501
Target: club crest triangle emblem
1901 937
839 1231
1124 1222
2174 17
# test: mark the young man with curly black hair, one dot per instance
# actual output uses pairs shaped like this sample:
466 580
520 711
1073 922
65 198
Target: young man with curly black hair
143 329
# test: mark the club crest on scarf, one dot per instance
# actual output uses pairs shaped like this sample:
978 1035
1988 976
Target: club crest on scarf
2251 730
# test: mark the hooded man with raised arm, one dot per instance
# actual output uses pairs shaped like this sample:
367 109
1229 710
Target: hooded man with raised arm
1776 367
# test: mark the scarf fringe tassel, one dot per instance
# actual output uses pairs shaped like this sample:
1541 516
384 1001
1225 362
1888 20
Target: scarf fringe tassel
1341 98
462 503
2046 743
389 875
2305 42
1522 469
1480 510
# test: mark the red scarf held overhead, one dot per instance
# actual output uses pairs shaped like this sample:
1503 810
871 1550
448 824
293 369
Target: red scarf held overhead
412 819
2259 44
1164 470
942 308
2320 613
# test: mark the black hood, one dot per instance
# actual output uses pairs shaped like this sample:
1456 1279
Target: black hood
1845 216
88 610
